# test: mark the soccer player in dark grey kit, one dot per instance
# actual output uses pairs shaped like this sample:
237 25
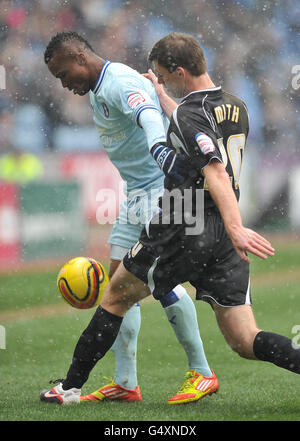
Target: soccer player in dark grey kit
210 128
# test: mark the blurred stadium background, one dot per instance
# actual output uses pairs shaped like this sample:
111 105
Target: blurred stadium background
52 164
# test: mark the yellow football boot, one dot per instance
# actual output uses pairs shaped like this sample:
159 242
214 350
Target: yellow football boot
195 387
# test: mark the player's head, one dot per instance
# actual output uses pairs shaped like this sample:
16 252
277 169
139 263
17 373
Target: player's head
67 56
175 56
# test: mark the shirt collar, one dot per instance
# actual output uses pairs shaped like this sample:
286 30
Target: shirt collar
213 89
101 76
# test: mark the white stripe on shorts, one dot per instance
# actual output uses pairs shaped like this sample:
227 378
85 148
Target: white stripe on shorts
248 300
151 282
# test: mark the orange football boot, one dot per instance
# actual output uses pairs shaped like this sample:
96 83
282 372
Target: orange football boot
113 391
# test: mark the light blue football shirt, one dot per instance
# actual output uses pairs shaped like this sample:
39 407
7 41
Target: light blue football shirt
119 97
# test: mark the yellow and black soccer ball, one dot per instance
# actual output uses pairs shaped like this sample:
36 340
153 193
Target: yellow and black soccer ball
81 282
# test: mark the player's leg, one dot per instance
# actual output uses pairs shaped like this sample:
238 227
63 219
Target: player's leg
123 235
239 328
125 346
231 300
181 313
183 318
124 386
243 336
228 291
121 293
178 306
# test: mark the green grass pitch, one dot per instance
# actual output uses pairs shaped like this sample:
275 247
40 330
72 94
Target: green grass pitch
41 332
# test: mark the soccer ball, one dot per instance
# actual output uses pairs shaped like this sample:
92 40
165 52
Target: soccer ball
81 282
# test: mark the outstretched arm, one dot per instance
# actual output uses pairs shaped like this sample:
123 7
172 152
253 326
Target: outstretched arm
243 239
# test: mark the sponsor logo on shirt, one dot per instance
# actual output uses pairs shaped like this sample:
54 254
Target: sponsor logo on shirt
135 99
205 143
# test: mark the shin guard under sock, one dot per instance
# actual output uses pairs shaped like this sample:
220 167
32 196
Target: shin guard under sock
277 349
125 349
92 345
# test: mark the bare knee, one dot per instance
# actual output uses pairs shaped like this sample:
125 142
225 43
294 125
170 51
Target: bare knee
113 298
123 291
243 346
239 328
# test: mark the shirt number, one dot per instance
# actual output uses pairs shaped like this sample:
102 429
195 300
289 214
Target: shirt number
234 154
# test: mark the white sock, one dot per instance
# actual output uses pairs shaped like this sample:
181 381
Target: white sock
125 347
181 312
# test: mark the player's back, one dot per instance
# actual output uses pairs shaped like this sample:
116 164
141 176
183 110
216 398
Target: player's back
117 101
231 117
224 119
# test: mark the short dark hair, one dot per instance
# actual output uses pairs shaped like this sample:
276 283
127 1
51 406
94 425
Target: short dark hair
59 39
179 50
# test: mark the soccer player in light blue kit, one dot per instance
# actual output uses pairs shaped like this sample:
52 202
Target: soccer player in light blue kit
128 116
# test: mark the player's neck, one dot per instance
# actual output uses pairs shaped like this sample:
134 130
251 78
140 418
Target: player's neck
203 82
96 63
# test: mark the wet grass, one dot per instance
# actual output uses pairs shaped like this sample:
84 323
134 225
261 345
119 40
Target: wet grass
39 349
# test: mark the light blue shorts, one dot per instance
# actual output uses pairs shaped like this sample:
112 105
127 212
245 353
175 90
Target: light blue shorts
135 211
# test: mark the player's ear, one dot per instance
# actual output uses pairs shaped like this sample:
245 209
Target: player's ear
180 71
81 59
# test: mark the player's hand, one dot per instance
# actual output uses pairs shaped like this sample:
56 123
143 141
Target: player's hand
174 165
181 169
246 240
159 88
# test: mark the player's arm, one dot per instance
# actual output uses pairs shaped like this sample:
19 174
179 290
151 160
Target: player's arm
167 104
134 102
173 165
243 239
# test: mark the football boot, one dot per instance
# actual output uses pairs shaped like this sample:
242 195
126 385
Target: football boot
113 391
195 387
60 396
